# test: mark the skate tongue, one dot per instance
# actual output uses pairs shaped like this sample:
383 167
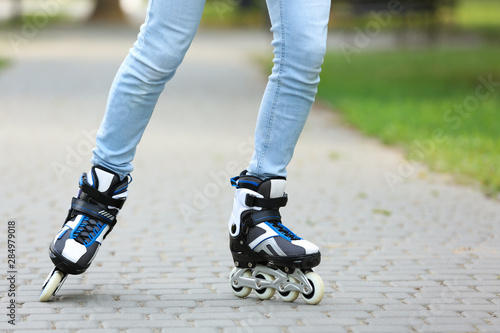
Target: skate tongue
102 179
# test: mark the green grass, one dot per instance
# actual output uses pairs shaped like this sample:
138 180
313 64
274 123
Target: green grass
407 98
478 13
3 63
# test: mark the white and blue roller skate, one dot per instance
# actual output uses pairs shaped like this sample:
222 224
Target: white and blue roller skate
267 255
91 217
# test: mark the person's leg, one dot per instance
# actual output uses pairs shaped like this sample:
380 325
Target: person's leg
162 43
160 48
259 241
299 29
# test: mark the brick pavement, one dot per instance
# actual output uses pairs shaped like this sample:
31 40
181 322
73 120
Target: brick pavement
419 257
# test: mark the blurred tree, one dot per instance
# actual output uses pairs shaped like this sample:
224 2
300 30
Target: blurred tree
16 9
247 3
405 6
108 11
410 14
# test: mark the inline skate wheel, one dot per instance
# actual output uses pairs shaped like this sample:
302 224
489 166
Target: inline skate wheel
316 295
264 293
241 291
289 296
51 285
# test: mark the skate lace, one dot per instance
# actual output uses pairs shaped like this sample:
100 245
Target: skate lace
284 230
87 231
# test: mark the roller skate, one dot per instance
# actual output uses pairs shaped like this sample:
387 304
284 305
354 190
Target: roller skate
267 255
91 217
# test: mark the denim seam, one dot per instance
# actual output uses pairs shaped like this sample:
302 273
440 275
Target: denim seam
276 94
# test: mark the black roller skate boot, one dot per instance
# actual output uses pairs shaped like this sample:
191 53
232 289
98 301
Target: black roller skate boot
267 255
90 219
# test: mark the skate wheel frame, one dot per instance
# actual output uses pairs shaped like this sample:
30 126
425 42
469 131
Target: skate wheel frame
265 280
289 296
52 284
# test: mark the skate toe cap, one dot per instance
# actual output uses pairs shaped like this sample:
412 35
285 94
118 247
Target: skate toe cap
73 250
308 247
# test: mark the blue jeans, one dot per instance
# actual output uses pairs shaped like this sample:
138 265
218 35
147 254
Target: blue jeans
299 30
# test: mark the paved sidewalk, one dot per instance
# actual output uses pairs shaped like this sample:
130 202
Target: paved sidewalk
421 256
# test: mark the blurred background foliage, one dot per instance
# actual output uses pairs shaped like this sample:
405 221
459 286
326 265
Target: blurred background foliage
457 15
411 75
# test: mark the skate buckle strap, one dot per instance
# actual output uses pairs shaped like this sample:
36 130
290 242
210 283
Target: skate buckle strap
253 201
263 216
99 197
234 181
86 208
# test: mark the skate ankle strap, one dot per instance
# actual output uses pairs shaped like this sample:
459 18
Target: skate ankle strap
86 208
100 197
263 216
253 201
